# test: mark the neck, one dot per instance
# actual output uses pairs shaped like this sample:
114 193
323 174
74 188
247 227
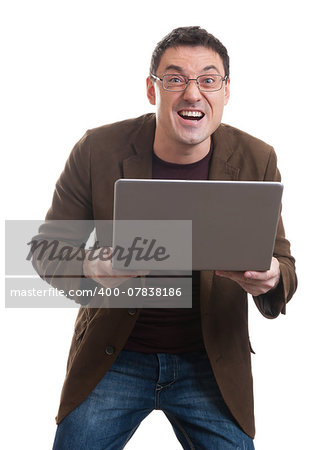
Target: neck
181 153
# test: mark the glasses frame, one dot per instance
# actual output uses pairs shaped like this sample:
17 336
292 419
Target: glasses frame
223 79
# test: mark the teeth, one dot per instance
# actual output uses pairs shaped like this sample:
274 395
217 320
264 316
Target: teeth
191 114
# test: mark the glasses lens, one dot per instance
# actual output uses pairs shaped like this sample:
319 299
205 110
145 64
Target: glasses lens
174 82
210 82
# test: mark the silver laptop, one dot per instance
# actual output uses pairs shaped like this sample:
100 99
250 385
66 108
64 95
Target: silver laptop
233 224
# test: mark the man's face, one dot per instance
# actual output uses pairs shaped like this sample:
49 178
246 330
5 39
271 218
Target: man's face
173 125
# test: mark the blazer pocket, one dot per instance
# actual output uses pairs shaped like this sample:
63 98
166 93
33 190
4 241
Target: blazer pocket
77 337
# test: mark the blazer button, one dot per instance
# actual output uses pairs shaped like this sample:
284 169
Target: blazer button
109 350
132 311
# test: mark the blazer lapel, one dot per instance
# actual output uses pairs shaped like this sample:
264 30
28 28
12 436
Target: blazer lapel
139 165
220 169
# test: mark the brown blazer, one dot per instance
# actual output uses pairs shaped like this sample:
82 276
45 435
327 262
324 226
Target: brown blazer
85 190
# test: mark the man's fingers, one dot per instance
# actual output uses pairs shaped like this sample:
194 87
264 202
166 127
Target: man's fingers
230 274
121 274
253 275
114 273
255 282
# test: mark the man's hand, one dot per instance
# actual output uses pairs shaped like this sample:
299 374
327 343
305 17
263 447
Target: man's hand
255 283
100 269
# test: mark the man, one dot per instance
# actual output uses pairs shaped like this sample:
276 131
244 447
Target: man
193 364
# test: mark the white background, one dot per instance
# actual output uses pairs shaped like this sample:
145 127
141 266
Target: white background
61 68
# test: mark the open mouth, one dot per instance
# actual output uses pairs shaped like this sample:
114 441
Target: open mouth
191 115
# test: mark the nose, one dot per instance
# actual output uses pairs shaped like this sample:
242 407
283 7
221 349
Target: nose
192 92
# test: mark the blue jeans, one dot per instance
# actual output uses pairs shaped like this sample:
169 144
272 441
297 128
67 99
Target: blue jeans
182 386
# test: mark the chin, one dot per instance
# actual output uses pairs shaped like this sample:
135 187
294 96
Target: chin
193 140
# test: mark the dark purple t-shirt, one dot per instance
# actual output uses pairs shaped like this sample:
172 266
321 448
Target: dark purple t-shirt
172 330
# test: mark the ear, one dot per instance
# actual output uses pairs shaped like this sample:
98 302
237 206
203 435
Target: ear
226 88
151 94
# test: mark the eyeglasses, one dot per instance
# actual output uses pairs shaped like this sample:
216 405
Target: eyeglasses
177 83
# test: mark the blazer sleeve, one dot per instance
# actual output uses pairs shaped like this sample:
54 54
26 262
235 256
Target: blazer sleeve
68 224
274 302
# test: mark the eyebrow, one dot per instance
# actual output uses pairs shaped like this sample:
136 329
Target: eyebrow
181 70
173 67
207 68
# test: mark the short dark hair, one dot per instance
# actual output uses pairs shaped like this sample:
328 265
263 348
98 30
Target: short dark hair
189 36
